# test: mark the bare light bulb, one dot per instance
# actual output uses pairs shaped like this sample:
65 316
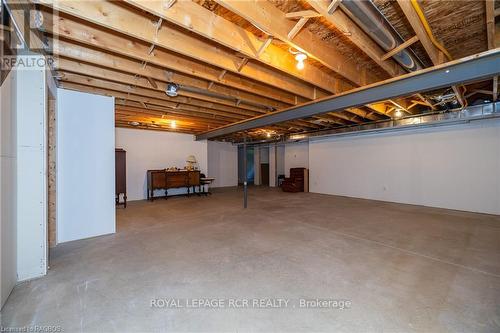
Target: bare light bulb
398 113
268 134
173 124
300 57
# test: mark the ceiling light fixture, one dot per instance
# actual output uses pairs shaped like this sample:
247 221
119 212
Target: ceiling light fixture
173 124
398 114
299 56
172 89
268 134
134 123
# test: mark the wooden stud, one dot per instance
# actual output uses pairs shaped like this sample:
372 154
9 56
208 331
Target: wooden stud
151 48
167 4
264 46
461 99
221 75
242 64
363 76
426 101
169 75
400 48
295 30
332 6
303 13
210 84
152 82
490 23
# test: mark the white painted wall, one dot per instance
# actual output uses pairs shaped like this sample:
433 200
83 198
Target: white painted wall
276 164
23 184
256 162
85 165
8 161
222 163
31 114
148 150
455 167
296 156
264 154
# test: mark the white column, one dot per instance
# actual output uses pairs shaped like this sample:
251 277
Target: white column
31 111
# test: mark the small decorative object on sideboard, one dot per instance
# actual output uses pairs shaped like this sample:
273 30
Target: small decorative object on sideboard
120 177
191 163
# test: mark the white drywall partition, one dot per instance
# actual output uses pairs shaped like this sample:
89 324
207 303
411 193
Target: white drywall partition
153 150
296 156
257 179
8 159
31 115
276 163
85 165
223 163
455 167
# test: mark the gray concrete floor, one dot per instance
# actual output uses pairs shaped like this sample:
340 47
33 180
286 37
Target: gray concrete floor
403 268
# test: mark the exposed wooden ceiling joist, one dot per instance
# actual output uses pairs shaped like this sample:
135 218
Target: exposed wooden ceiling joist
89 36
102 58
196 18
117 18
437 57
267 17
174 105
357 36
90 70
490 23
137 90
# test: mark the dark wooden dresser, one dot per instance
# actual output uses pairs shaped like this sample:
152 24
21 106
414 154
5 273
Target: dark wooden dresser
164 180
121 176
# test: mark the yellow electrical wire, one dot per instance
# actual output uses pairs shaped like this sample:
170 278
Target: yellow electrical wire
440 47
421 15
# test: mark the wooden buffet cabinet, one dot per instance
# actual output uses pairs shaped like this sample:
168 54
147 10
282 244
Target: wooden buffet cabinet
164 180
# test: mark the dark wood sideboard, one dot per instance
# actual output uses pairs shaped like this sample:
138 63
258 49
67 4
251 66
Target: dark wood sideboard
121 176
164 180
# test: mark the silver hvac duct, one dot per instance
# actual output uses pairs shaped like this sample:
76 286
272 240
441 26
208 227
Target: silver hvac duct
435 119
374 23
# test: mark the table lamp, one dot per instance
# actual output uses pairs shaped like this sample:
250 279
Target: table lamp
191 160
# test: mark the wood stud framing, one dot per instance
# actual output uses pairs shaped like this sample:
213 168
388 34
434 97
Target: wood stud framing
400 48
